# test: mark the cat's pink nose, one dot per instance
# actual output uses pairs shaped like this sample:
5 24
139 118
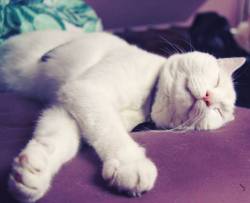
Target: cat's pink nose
207 98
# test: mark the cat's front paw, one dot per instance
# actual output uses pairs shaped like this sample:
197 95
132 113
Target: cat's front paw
30 176
133 177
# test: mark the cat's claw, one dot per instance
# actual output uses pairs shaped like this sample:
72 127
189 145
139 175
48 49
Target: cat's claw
30 177
135 177
134 194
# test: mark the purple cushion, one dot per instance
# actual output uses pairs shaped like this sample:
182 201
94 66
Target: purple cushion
194 167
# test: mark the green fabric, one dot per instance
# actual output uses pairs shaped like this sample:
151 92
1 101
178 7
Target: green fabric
19 16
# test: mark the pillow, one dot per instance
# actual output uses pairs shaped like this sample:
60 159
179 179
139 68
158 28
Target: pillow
20 16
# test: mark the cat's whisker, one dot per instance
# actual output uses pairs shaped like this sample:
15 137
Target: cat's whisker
241 85
167 51
181 38
238 75
171 44
186 125
199 115
191 47
182 50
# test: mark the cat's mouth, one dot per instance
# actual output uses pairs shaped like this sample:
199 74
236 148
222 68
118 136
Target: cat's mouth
201 103
197 112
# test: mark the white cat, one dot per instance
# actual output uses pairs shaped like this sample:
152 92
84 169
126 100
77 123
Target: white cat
100 87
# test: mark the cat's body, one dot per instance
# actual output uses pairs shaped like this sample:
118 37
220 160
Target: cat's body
83 58
98 86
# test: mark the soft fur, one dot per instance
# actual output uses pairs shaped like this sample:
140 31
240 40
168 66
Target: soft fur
100 87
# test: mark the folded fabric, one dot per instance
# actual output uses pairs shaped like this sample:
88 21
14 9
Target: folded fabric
20 16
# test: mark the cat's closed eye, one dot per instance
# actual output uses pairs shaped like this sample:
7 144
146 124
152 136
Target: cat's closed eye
218 81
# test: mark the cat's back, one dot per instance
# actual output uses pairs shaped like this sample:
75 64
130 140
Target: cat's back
39 60
32 44
20 55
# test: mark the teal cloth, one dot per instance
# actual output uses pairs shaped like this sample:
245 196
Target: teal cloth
20 16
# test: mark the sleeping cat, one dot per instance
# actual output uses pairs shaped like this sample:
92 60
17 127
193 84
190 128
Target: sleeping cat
99 87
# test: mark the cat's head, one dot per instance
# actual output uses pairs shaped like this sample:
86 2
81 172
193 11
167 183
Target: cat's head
195 91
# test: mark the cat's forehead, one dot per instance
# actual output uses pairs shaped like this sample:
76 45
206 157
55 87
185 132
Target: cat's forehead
200 58
199 61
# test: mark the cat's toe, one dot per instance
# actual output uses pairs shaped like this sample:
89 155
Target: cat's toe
24 190
133 177
30 176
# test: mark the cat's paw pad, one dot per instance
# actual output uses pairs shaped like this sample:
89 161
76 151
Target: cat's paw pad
133 177
30 176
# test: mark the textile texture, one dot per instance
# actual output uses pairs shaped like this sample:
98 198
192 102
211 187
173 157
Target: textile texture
194 167
20 16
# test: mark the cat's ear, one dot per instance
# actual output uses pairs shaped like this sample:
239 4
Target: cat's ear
231 64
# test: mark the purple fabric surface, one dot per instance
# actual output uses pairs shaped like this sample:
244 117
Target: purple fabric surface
120 13
194 167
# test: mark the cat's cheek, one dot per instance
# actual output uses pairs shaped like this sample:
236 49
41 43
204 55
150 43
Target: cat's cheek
211 121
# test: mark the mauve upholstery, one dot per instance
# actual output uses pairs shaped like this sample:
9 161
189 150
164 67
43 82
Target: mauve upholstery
194 167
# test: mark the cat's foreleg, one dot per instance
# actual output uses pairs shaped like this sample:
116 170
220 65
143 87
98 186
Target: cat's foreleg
55 141
125 164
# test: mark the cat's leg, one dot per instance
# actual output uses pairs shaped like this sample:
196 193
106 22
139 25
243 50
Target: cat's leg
125 164
55 141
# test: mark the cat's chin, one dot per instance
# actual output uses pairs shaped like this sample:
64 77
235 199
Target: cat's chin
200 117
212 122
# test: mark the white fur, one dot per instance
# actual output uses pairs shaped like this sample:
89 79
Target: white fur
55 141
101 84
184 81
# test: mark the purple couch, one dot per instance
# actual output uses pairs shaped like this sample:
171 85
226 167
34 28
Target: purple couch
194 167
